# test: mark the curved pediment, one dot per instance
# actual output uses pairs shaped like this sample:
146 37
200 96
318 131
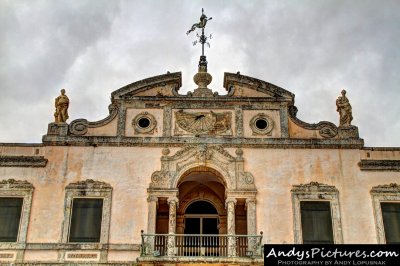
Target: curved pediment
161 85
239 85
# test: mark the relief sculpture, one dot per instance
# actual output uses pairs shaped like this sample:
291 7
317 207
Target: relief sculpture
207 123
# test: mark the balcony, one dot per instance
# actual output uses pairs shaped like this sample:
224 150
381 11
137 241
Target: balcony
195 247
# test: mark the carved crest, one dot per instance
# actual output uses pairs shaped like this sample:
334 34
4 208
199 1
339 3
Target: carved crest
203 123
313 187
89 184
212 156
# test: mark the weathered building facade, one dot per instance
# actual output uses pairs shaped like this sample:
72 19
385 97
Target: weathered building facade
201 174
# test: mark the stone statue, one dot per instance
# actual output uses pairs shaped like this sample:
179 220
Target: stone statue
344 109
61 104
202 24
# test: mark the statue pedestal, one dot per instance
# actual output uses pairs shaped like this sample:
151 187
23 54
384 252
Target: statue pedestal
348 132
58 129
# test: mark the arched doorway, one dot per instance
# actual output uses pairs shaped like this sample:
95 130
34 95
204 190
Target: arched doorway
201 202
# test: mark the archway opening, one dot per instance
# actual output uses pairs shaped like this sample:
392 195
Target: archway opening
201 202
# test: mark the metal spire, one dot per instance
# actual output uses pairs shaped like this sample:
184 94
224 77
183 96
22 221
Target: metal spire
203 39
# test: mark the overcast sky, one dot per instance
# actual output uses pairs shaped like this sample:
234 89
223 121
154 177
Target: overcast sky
91 48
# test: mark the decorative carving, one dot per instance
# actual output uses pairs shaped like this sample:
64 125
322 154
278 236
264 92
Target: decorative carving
327 130
246 178
208 123
313 187
344 108
261 124
391 188
213 156
22 161
89 184
61 104
167 120
160 178
379 165
60 129
144 123
15 184
80 126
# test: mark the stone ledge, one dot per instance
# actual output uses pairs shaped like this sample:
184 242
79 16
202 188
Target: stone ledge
22 161
227 142
379 165
200 260
69 246
68 263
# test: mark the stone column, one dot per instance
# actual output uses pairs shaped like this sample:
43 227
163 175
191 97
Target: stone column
172 202
151 222
230 206
251 224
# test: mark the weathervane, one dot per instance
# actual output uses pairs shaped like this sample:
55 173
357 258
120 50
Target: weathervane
202 78
202 38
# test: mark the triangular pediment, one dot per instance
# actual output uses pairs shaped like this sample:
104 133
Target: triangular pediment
239 85
162 85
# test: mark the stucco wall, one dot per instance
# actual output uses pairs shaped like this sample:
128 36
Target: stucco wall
128 171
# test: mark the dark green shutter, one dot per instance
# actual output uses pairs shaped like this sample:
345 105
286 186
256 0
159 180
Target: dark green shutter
86 220
10 215
316 222
391 222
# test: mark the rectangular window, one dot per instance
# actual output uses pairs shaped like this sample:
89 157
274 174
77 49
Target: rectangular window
86 220
391 222
316 222
10 215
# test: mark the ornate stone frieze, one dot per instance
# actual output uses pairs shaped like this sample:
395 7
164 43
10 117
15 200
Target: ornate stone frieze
22 161
391 188
15 184
379 165
313 187
80 126
89 184
212 156
60 129
203 123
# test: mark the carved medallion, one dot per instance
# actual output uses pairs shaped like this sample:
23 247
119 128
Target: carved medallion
203 123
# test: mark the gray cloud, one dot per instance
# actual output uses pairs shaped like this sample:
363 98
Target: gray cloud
91 48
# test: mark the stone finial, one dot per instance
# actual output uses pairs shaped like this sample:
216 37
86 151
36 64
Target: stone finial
344 108
61 104
202 79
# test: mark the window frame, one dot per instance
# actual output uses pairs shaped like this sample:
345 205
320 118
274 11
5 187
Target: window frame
383 193
88 189
315 191
12 188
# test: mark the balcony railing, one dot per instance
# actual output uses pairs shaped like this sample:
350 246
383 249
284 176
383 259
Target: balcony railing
180 245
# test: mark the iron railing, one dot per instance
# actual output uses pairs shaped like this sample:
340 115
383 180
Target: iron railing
190 245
